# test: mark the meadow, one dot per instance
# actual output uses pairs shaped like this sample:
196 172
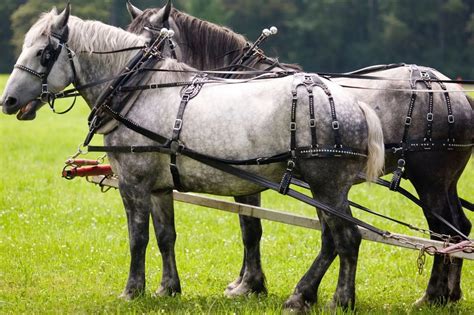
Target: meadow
64 244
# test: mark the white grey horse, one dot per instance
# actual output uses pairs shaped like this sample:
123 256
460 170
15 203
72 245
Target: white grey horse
231 121
434 173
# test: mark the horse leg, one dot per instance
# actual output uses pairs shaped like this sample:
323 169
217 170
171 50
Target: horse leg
312 278
251 278
339 237
163 222
455 266
437 191
137 206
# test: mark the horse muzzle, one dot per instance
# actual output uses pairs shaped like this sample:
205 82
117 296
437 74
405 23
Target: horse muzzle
10 105
28 112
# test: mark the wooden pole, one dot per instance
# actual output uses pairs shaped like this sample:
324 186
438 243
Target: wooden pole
410 242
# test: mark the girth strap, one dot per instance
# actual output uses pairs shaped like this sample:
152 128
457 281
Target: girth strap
188 93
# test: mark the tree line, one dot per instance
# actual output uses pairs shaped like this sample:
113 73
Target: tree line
320 35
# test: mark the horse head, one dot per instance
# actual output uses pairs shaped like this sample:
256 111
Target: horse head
201 44
41 68
149 23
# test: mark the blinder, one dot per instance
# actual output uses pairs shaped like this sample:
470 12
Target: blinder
48 58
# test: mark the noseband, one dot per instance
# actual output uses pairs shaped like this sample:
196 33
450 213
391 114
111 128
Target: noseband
48 57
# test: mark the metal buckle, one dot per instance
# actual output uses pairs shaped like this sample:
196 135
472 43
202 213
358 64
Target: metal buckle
451 119
292 126
401 163
176 147
290 165
335 125
178 124
44 87
186 96
312 122
396 149
429 117
408 121
132 149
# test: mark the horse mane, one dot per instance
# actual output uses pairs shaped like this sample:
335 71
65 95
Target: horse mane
205 45
86 36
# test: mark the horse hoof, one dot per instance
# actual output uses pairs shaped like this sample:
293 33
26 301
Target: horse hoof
296 305
455 297
162 292
129 295
426 300
241 290
234 284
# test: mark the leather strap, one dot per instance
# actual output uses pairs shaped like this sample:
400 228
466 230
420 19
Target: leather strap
188 93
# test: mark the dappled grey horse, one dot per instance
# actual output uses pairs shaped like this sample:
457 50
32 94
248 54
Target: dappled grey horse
215 124
434 172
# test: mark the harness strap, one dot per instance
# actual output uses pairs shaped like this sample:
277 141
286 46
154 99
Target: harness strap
188 93
400 170
429 115
276 187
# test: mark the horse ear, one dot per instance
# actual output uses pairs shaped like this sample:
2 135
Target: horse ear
133 10
63 17
168 7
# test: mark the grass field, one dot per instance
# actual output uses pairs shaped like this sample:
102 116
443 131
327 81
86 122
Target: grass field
64 244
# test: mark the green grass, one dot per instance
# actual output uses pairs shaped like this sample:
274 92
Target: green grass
64 244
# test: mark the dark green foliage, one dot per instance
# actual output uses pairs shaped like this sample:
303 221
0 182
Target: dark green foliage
321 35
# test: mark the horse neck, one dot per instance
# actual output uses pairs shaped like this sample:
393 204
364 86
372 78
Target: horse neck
205 45
89 36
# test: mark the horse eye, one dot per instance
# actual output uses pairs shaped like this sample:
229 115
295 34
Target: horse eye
39 52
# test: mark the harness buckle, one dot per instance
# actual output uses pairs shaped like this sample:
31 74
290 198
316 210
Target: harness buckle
132 149
290 165
407 121
395 149
429 117
312 122
176 147
178 124
335 125
451 119
186 96
292 126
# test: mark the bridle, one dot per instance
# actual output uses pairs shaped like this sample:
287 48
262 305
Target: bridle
48 57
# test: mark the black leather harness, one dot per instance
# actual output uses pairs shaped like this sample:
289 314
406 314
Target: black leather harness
187 93
426 77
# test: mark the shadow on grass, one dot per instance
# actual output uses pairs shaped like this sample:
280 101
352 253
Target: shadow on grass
269 304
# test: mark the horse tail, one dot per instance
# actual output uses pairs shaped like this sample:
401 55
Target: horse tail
471 101
376 148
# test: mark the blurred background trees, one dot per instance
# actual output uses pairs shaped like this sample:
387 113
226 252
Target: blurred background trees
321 35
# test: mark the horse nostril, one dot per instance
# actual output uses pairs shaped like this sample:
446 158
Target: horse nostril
10 101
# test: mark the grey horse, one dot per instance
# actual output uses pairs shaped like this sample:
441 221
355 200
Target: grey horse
214 124
434 173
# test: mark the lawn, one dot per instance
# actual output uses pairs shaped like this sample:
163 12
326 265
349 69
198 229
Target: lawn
64 244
